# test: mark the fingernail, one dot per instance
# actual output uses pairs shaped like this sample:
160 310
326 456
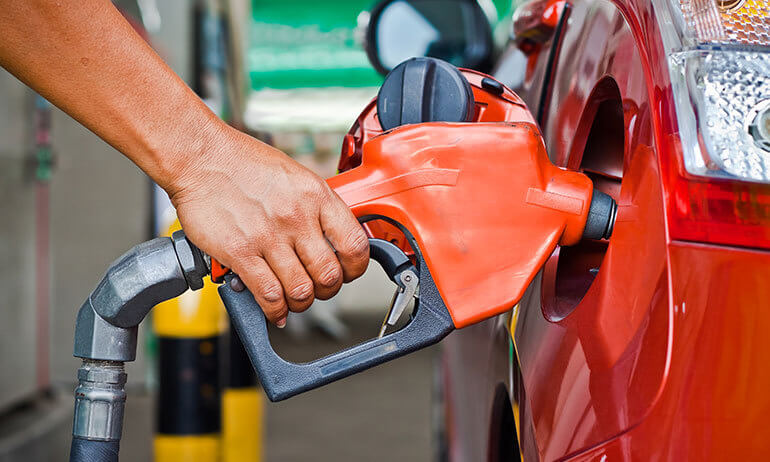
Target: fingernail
236 284
281 323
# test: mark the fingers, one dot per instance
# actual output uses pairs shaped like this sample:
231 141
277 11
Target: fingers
265 287
348 238
321 264
297 285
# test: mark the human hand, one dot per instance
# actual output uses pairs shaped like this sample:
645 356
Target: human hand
271 221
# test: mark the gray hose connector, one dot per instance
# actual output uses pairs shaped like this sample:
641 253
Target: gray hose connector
99 400
105 335
141 278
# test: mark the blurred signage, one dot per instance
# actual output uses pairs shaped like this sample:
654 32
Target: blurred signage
308 44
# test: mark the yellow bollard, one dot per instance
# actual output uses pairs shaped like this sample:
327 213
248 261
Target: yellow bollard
191 331
242 408
198 419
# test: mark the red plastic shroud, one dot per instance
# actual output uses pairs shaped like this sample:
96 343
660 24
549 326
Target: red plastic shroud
484 203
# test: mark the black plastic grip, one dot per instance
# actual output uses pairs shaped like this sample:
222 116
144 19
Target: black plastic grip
282 379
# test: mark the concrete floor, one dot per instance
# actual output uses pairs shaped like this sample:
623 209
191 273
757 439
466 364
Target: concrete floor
379 415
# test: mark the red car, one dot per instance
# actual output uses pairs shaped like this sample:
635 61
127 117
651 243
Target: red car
655 344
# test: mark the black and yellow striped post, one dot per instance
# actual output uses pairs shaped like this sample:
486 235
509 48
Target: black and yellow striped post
191 332
242 408
199 419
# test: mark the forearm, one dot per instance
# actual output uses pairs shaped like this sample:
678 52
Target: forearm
86 59
279 220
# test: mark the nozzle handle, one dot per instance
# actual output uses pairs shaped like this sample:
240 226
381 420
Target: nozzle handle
282 379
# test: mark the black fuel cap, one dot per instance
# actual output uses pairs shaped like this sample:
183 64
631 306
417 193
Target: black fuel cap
424 90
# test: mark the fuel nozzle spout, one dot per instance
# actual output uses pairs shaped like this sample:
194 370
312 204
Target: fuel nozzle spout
601 216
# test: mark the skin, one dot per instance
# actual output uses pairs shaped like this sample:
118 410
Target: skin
287 235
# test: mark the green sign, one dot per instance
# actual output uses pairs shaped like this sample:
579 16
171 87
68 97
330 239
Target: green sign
308 43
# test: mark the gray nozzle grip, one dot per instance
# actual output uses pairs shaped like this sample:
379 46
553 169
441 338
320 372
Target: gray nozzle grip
281 379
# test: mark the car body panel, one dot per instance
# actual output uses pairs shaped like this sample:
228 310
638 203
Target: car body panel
601 367
714 405
659 358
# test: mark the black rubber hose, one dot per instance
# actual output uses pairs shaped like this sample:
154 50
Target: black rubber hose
83 450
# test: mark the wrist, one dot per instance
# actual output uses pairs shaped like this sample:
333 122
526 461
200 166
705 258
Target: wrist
181 161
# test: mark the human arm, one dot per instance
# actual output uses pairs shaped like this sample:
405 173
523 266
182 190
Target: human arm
243 202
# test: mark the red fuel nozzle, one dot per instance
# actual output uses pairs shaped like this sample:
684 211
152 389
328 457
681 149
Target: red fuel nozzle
483 202
481 198
481 207
461 215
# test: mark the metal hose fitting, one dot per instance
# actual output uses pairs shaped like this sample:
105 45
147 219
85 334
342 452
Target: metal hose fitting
99 400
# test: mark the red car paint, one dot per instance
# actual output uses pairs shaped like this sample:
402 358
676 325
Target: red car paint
661 354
